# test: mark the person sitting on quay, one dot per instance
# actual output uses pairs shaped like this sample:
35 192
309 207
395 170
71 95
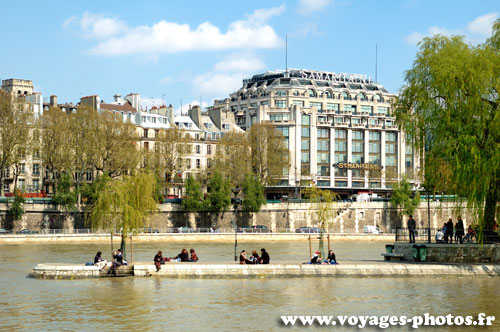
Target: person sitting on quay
183 256
243 258
331 259
194 256
315 259
255 259
99 261
440 236
158 260
471 234
117 261
264 257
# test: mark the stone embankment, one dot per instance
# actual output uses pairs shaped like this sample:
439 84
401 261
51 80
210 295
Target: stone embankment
189 237
288 270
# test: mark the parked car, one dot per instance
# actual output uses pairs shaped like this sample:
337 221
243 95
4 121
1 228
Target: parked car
183 229
253 229
27 231
372 229
4 231
307 230
150 230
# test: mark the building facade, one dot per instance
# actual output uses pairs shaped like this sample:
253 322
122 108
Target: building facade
339 129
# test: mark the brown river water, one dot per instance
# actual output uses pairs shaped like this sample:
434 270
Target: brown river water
161 304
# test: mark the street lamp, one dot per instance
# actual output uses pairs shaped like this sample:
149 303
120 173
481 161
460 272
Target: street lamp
427 188
235 224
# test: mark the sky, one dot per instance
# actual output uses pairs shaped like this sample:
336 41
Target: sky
187 52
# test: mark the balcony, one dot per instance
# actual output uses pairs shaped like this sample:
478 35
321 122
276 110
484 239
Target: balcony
325 123
341 124
358 125
375 125
391 127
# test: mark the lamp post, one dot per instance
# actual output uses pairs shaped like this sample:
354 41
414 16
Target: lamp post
235 224
427 188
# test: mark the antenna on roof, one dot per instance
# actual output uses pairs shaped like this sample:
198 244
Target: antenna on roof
286 55
376 62
181 106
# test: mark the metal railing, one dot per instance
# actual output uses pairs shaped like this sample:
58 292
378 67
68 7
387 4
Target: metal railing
422 236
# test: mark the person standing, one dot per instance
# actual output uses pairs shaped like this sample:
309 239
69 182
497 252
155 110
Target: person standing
460 230
158 259
449 230
412 224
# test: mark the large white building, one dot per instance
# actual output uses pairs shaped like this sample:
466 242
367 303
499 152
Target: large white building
339 129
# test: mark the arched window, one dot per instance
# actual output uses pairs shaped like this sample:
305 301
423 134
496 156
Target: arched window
328 94
361 96
311 93
377 97
345 95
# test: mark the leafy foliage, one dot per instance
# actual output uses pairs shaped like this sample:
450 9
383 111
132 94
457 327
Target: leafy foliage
16 211
322 205
194 196
219 197
253 192
64 196
403 199
450 106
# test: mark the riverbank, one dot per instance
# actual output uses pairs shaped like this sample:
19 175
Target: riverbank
276 270
189 237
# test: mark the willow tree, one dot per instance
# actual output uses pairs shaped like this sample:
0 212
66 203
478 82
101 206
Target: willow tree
450 106
124 204
403 199
322 205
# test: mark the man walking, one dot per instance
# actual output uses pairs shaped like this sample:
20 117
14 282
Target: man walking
412 224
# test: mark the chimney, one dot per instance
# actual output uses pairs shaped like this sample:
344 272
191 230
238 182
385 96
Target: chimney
53 101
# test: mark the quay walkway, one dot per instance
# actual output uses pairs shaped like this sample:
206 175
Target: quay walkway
282 269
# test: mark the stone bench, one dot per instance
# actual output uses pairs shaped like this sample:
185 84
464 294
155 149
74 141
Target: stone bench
392 256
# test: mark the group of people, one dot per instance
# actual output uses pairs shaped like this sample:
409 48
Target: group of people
255 258
118 261
330 259
183 256
448 232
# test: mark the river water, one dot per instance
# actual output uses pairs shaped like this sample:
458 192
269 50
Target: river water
161 304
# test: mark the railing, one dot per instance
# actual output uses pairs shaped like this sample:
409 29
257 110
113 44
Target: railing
188 230
421 236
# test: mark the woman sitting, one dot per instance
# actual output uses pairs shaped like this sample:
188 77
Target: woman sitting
99 262
315 258
255 259
243 258
331 258
183 256
194 257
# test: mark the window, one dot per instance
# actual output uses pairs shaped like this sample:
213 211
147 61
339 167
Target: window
278 117
36 185
305 132
298 103
305 157
341 134
358 173
358 135
145 133
323 133
374 184
209 149
311 93
383 110
340 146
340 183
317 106
332 107
323 183
390 148
198 163
361 96
88 175
374 147
36 169
357 147
355 120
345 95
280 103
391 137
323 145
323 170
281 93
323 158
265 102
198 149
358 184
329 94
188 163
22 169
304 144
284 130
36 153
374 136
339 119
6 188
350 108
225 126
20 184
146 146
366 109
306 120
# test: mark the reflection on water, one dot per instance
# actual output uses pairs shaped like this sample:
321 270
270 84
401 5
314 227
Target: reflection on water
156 304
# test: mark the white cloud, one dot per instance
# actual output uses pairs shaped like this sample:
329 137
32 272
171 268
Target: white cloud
483 24
242 62
96 26
170 37
227 75
306 7
186 106
476 31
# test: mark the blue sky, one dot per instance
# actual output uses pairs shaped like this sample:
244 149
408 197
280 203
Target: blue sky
192 50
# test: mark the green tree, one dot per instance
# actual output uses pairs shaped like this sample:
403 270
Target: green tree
15 121
322 205
403 198
219 197
124 204
450 106
269 154
194 196
253 192
64 196
233 159
16 211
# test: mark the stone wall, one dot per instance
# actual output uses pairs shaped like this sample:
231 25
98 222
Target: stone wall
453 253
348 217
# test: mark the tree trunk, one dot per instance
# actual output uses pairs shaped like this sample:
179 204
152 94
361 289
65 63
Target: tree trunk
490 209
123 246
1 182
